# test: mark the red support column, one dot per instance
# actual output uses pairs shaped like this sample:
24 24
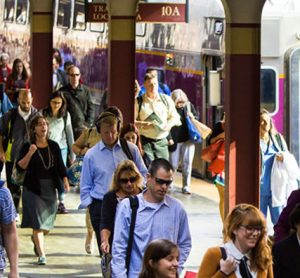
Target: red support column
242 101
41 51
121 73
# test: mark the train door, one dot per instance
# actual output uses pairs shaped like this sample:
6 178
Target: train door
293 87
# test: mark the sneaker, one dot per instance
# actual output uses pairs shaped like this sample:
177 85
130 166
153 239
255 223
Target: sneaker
42 260
17 218
185 190
61 208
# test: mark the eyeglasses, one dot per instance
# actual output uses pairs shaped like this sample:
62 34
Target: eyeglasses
162 181
74 74
126 180
252 229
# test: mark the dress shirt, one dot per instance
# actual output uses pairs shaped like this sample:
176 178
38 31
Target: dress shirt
167 220
7 215
165 112
99 164
232 251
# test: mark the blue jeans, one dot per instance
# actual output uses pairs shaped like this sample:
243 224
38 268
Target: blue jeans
265 202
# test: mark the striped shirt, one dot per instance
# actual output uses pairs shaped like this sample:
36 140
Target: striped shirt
7 216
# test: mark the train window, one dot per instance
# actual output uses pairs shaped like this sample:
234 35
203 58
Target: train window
97 27
218 27
22 11
64 14
9 10
140 29
79 15
269 89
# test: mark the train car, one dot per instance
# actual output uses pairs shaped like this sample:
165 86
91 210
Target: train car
84 44
280 50
186 55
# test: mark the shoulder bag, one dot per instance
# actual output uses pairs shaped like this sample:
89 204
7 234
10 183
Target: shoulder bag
17 176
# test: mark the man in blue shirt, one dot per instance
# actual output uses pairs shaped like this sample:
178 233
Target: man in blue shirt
158 216
99 164
8 233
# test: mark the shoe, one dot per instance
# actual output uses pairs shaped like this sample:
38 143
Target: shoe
89 243
34 247
185 190
62 209
42 260
17 218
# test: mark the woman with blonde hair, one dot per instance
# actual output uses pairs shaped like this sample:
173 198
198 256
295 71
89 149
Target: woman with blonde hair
245 252
127 181
181 148
272 146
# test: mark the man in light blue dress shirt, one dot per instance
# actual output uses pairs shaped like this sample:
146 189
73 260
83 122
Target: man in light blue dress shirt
158 216
99 164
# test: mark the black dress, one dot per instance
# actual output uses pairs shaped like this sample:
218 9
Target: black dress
43 177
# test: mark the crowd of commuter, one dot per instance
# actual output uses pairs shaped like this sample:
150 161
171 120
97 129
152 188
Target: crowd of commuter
124 173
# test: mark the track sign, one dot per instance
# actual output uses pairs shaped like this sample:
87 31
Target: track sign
96 12
161 12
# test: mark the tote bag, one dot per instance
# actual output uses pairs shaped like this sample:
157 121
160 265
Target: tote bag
217 166
194 134
209 153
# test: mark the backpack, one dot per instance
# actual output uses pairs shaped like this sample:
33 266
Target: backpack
162 97
125 148
134 205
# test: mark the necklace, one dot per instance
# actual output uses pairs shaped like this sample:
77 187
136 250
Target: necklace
50 159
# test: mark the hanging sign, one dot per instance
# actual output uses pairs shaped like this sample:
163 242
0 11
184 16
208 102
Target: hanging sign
96 12
161 12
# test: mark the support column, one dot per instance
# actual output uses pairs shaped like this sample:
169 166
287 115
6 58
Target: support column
41 51
242 100
121 55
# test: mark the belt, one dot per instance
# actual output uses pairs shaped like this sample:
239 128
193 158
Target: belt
147 139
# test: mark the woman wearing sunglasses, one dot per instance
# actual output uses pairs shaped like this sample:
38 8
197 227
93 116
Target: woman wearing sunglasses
245 253
127 181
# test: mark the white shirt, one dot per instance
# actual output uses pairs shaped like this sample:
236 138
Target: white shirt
232 251
24 115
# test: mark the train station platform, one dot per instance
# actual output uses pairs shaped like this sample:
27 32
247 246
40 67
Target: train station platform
64 245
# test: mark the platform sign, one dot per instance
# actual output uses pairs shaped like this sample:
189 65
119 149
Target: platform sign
96 12
147 12
161 12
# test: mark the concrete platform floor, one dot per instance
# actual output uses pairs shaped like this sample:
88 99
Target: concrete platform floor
66 256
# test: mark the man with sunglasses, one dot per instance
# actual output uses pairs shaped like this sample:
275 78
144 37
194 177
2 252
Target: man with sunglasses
158 216
79 102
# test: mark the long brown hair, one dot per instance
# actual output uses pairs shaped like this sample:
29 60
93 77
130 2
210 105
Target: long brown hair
260 258
132 128
32 126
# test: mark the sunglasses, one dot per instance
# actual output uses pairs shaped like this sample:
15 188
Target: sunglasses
162 181
74 74
131 179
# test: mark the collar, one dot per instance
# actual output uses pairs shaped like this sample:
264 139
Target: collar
234 252
24 115
163 203
102 146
